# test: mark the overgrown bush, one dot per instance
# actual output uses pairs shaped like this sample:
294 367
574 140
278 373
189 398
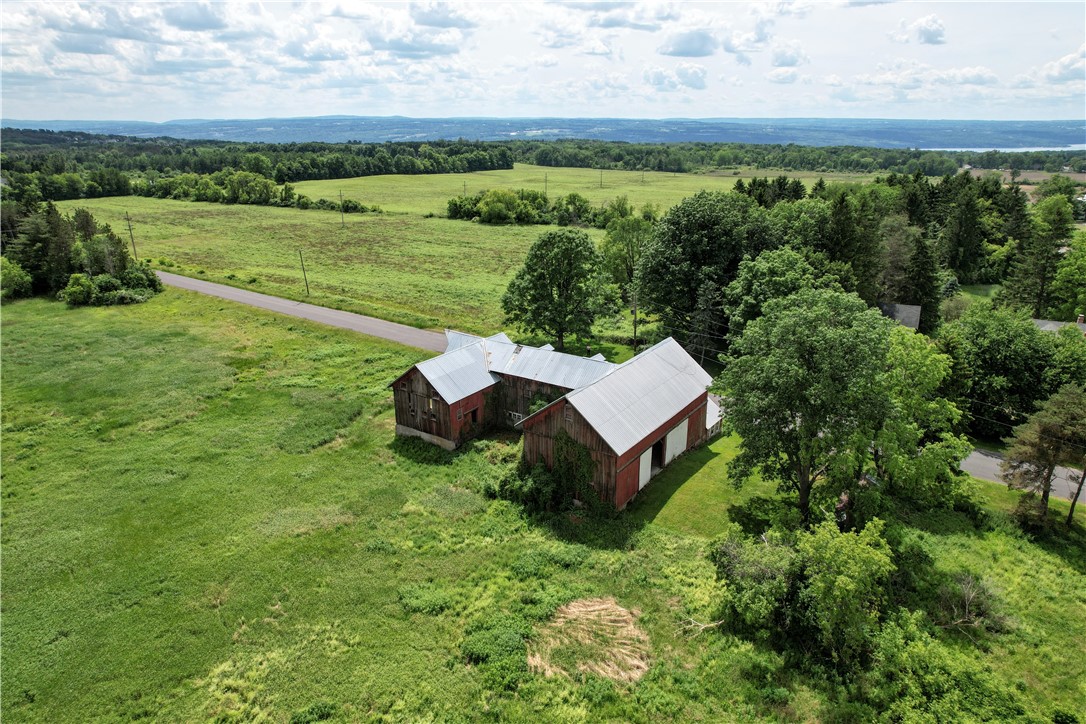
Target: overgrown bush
541 490
79 292
14 282
424 598
498 644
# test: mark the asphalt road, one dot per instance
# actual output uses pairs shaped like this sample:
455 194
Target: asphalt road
421 338
985 465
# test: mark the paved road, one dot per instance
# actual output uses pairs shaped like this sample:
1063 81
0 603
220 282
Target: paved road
434 341
985 465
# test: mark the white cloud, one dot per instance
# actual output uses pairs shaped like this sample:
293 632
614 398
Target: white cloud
928 30
689 44
685 75
782 75
691 75
1069 68
789 54
441 15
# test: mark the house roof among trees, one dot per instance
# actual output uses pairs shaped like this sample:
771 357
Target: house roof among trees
907 315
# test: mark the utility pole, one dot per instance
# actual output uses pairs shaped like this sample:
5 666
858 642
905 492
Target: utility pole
601 178
303 272
633 298
342 223
131 236
544 184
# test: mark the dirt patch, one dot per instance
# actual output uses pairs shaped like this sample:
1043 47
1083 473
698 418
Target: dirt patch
592 636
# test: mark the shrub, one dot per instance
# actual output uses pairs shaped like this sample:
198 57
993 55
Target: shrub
79 292
14 281
759 578
321 711
103 285
498 644
424 598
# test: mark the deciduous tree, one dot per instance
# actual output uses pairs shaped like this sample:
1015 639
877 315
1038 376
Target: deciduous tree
561 289
804 389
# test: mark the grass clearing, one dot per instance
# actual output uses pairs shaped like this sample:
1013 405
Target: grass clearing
166 555
407 265
430 193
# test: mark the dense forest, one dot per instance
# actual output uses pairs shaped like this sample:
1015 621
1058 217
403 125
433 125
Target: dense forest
54 166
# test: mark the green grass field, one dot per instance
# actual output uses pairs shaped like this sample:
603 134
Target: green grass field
206 516
430 193
402 265
426 272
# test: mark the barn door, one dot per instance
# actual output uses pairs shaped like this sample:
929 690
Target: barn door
676 442
645 472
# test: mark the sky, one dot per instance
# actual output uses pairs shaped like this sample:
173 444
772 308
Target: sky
157 61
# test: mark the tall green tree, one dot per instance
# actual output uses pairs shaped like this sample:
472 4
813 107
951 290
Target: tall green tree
774 274
804 389
621 248
963 243
1069 287
1038 258
701 239
561 289
1054 435
922 280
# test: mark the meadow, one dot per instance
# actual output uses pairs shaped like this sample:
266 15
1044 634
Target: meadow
206 515
407 264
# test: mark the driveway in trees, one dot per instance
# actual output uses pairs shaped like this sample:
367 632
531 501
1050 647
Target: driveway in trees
411 336
985 465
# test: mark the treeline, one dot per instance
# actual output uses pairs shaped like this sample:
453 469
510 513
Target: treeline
58 166
74 258
51 166
529 206
686 157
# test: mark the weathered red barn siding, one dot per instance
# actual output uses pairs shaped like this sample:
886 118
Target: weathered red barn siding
539 436
516 394
420 407
616 477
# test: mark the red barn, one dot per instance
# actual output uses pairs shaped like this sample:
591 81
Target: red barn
633 421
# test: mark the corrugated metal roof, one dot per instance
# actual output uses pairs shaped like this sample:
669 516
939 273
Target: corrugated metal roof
553 368
469 364
456 340
641 395
458 373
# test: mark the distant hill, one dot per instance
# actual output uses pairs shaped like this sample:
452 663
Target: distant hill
876 133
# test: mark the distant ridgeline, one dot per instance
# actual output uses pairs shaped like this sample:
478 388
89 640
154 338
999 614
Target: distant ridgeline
57 165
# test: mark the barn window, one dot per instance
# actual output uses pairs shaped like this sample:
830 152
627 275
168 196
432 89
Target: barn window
403 385
515 416
460 414
569 413
431 402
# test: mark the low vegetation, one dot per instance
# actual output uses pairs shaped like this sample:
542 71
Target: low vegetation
213 519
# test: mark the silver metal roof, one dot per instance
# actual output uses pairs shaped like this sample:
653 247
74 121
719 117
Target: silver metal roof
458 373
553 368
470 362
641 394
456 340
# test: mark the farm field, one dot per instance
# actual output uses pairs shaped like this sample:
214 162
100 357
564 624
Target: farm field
430 193
206 516
426 272
403 266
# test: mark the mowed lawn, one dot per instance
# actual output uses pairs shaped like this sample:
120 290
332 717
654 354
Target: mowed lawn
206 515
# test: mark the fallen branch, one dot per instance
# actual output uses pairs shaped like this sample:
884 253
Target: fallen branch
690 625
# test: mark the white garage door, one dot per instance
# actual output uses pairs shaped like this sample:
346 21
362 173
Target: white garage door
646 469
676 442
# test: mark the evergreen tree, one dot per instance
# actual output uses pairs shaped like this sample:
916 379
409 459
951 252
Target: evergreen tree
963 247
922 274
1030 283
